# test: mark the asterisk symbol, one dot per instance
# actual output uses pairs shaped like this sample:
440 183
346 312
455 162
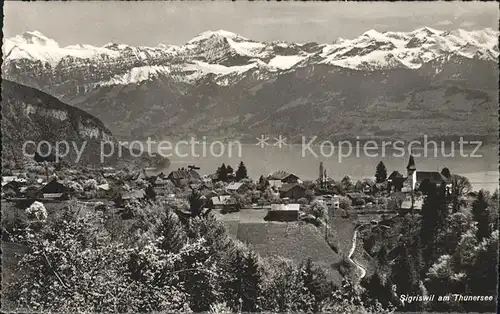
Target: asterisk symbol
280 141
262 141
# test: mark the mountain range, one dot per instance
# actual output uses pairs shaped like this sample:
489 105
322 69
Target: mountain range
397 85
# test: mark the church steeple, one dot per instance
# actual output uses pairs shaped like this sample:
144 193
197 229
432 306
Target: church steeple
410 168
412 178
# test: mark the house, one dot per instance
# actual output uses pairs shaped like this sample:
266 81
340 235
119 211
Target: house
163 183
282 212
395 182
226 203
292 191
55 196
284 177
54 186
183 174
237 187
219 201
357 199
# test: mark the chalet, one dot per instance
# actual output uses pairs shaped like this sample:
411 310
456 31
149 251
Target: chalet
183 174
163 183
281 212
292 191
237 187
357 199
54 186
55 196
219 201
395 182
225 203
284 177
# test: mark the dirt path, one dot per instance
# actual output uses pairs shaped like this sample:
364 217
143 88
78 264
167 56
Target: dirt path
351 252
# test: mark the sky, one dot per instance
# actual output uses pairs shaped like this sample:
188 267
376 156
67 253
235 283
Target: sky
152 23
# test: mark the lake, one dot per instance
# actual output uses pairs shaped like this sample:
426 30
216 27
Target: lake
482 171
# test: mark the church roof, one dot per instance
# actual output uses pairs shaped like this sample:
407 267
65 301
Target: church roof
432 176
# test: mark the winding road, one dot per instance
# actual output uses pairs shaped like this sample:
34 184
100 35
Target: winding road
351 252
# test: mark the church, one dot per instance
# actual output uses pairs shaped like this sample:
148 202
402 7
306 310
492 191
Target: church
417 184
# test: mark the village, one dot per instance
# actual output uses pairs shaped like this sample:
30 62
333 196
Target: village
230 195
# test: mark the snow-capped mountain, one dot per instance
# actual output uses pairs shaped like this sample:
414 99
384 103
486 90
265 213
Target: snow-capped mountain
224 53
221 78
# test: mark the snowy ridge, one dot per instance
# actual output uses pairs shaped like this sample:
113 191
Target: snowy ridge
222 53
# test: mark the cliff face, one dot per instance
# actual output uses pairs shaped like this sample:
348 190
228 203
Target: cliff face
29 115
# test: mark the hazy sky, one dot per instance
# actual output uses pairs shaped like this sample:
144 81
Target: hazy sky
151 23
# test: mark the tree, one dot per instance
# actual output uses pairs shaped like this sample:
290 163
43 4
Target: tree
358 187
241 173
263 183
376 290
406 276
318 210
483 278
434 214
243 288
346 184
322 176
195 203
171 233
222 173
481 215
460 187
380 173
315 281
